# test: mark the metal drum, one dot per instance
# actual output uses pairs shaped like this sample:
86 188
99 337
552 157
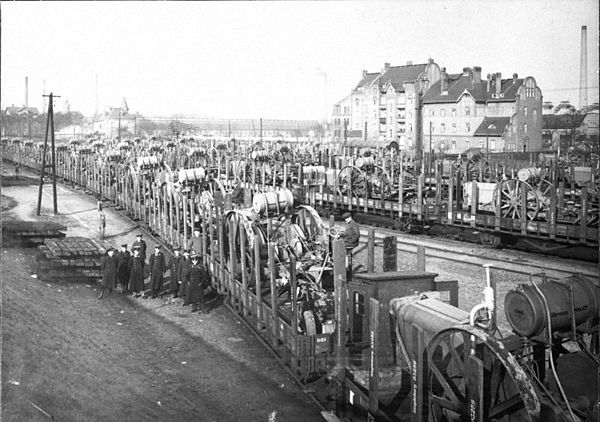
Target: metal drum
147 162
365 161
273 202
526 313
258 154
529 174
191 175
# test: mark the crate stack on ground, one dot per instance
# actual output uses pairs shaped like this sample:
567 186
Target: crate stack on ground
70 259
30 233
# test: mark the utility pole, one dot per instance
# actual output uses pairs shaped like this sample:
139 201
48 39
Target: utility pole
49 126
119 134
429 158
260 128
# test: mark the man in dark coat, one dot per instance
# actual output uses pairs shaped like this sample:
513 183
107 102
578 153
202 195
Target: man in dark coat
185 272
109 272
123 258
140 243
175 266
195 243
351 238
157 270
199 279
136 273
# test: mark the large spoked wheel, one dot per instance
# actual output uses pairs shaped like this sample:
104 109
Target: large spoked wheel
472 377
516 198
351 182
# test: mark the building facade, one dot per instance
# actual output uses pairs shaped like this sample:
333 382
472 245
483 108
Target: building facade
463 111
384 106
340 119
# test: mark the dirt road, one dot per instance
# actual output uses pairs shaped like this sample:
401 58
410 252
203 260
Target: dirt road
68 356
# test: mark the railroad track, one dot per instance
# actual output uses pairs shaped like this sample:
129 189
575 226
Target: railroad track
504 260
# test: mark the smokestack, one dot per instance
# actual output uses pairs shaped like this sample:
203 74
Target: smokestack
583 69
26 91
489 81
498 84
476 74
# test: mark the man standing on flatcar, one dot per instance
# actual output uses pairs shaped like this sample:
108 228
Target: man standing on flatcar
195 243
185 272
157 270
351 237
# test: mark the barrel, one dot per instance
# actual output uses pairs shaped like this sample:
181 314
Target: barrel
258 154
191 175
526 313
270 203
529 174
365 161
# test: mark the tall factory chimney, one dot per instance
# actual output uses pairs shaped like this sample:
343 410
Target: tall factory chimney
583 69
27 91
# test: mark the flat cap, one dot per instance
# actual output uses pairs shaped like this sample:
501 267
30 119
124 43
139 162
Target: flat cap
346 215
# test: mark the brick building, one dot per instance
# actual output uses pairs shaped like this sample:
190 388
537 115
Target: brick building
462 111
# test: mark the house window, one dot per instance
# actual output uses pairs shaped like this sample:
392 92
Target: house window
357 102
525 111
467 144
493 144
453 127
410 114
480 144
410 127
443 112
453 112
454 144
443 127
467 111
374 101
442 145
468 124
432 112
534 113
524 127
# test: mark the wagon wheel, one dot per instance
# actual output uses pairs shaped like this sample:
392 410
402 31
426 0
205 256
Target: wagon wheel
471 375
511 203
351 182
313 232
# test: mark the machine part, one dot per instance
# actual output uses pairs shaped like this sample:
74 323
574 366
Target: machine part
524 307
471 376
488 304
510 196
351 182
276 202
194 175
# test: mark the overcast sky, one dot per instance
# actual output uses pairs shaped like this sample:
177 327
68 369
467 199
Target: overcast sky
285 60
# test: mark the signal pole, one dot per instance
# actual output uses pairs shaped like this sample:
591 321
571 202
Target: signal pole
49 125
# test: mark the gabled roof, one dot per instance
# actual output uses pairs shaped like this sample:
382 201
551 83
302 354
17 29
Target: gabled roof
499 126
459 83
367 79
562 121
397 75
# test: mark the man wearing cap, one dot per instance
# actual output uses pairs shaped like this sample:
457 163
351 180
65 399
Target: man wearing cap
123 258
175 266
157 270
140 243
136 273
198 281
351 237
195 243
109 272
186 263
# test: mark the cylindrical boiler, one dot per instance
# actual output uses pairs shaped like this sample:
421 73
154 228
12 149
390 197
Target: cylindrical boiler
526 313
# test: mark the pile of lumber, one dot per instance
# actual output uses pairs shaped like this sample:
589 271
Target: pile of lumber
30 233
70 259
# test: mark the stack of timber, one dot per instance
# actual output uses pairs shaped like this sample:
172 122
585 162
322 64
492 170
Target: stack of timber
30 233
70 259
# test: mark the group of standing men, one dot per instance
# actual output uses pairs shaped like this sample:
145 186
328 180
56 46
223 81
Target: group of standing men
188 276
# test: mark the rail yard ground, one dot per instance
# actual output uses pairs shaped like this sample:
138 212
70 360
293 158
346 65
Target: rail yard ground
68 356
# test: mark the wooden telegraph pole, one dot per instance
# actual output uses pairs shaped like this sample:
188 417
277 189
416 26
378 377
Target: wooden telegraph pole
49 125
